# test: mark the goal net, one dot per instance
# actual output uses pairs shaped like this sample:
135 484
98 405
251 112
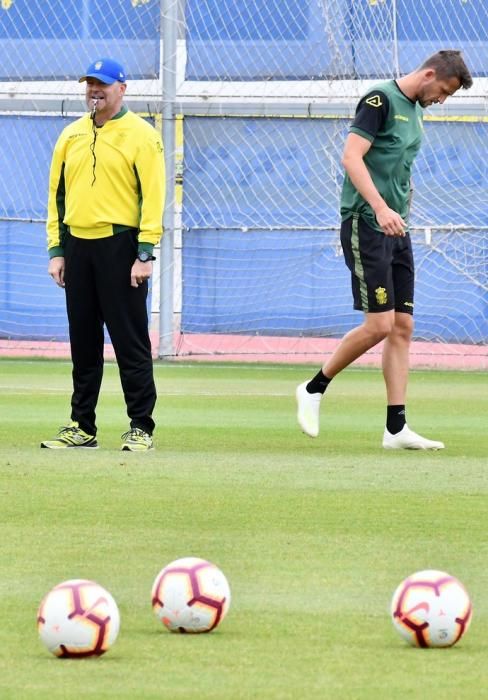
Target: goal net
262 93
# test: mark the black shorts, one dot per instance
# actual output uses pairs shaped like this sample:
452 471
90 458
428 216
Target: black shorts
382 269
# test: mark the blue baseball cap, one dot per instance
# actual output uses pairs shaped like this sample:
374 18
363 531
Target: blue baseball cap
106 70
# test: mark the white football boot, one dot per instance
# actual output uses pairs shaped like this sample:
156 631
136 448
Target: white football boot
308 410
406 439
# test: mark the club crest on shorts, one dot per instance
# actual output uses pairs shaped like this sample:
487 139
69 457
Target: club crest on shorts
381 295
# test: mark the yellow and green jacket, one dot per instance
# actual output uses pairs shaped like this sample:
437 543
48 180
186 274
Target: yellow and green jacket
104 184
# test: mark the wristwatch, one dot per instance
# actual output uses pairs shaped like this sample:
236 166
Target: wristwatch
144 256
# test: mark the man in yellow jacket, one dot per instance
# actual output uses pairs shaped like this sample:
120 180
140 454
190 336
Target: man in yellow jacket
105 210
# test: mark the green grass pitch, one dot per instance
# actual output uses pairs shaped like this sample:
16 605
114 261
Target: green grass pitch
313 535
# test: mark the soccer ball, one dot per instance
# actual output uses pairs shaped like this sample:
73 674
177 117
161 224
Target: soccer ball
190 595
431 609
78 618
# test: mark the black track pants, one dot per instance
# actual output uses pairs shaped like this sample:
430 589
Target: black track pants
98 291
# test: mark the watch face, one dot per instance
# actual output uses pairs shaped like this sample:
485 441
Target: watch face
144 257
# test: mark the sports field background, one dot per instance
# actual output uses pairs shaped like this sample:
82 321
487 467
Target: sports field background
313 535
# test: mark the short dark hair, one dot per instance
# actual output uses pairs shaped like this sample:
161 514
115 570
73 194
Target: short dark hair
449 64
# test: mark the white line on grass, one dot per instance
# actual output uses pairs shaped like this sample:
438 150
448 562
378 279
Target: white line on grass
19 390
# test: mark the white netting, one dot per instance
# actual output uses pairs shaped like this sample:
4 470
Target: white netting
267 89
57 39
317 39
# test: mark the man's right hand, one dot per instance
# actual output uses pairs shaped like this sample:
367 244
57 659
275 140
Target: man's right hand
56 270
391 222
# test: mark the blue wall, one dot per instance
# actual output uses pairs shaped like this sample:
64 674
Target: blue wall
31 305
244 177
299 39
59 39
293 283
240 39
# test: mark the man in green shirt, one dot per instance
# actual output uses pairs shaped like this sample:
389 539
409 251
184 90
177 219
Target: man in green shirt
380 148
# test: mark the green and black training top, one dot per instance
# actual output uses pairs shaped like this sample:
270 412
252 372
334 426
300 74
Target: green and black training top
393 124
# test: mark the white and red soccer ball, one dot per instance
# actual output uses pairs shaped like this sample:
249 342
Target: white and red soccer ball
78 618
431 609
190 595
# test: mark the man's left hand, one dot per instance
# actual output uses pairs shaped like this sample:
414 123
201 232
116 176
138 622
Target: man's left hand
140 272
